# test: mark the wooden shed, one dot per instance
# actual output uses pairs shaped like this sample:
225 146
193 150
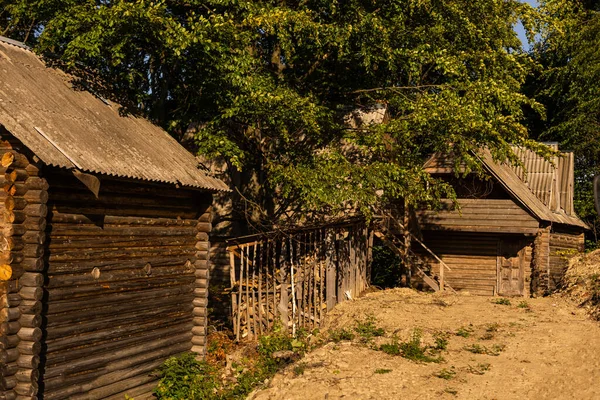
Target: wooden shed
104 227
513 234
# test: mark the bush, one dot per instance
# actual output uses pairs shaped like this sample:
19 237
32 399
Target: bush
184 377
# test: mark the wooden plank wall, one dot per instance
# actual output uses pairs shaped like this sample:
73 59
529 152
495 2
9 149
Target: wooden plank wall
24 196
126 285
563 246
471 257
479 215
295 278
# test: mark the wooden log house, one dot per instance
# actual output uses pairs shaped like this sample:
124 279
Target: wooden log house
513 234
104 239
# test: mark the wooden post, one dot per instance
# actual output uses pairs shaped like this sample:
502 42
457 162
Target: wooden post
331 278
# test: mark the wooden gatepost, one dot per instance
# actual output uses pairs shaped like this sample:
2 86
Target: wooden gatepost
293 278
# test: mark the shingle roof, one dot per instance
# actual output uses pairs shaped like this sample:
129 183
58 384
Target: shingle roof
71 128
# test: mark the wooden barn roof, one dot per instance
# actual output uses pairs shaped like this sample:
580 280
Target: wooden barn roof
74 129
512 180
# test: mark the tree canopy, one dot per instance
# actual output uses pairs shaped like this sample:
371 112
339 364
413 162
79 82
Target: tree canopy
568 85
268 84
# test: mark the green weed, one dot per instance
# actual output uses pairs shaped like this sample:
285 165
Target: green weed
339 335
299 369
383 371
446 374
415 351
368 329
464 331
479 369
502 301
495 350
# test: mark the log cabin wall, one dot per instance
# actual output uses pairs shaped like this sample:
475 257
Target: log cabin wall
541 263
24 196
563 246
126 285
474 259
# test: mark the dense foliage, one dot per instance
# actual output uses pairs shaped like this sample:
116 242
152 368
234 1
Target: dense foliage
568 84
267 84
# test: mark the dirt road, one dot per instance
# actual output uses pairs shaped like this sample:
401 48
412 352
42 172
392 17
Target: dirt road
545 348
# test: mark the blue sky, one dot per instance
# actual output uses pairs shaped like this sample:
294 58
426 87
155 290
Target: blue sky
519 27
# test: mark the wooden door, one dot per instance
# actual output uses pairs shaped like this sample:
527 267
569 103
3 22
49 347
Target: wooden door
510 265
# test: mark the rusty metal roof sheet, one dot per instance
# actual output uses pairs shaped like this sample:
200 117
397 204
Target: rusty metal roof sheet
71 128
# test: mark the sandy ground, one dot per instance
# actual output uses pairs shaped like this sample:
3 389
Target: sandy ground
551 351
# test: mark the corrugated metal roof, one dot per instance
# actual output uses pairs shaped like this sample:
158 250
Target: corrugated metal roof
511 182
71 128
538 173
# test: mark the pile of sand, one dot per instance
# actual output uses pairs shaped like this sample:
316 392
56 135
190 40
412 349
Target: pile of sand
582 282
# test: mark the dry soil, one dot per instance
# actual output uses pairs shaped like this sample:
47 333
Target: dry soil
551 350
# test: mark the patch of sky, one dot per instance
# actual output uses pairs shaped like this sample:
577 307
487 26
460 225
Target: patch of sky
521 31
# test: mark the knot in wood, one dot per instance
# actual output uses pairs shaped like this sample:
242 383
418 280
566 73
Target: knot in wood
148 269
96 273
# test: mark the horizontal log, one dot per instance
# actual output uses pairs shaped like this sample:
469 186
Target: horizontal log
74 267
481 228
9 369
10 328
31 293
204 227
198 350
9 383
32 264
199 312
14 217
106 322
201 273
27 375
116 333
34 237
200 301
108 289
14 159
28 389
199 340
180 252
84 314
10 300
15 189
16 175
118 299
101 347
59 243
108 220
29 348
33 170
115 276
9 314
35 196
111 231
30 334
30 321
14 230
129 211
10 341
104 363
9 355
36 183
